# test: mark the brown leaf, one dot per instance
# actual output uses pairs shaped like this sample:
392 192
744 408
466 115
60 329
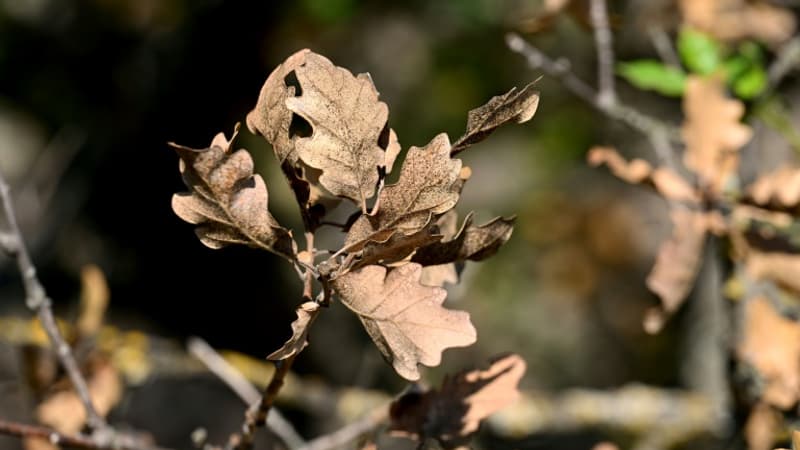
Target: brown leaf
677 264
270 117
439 275
94 300
470 243
731 20
347 122
513 106
712 132
227 200
667 182
427 186
454 412
770 343
398 244
780 188
306 313
404 318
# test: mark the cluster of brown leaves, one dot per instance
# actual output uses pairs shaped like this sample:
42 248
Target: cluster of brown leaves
330 133
759 223
731 20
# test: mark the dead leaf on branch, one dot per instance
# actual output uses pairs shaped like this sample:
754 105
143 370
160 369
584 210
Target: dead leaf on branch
637 171
677 264
427 186
770 343
731 20
226 200
404 318
516 106
779 188
712 132
348 122
454 412
470 243
306 313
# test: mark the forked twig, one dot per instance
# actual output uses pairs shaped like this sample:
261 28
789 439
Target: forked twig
37 301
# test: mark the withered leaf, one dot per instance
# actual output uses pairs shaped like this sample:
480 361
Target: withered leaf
347 122
404 318
427 186
761 427
782 268
226 200
306 313
770 343
780 188
667 182
712 132
454 412
439 275
730 20
397 243
517 106
677 264
270 117
470 243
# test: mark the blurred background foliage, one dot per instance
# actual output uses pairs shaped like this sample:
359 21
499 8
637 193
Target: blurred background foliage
91 91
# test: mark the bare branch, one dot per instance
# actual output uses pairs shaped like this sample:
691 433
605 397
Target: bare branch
82 441
660 134
663 45
244 389
604 43
38 301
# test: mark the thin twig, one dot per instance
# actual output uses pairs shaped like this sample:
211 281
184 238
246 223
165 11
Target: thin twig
244 389
663 45
659 133
788 58
74 441
38 301
350 432
604 43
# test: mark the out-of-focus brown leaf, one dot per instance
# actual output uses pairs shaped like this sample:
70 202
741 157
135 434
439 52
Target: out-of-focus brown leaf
270 117
761 427
731 20
94 300
517 106
471 243
454 412
712 132
780 188
347 122
226 200
677 264
666 181
770 343
426 186
64 411
404 318
782 268
306 313
605 446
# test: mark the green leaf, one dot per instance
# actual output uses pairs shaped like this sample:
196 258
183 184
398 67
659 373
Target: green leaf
735 67
750 83
699 51
652 75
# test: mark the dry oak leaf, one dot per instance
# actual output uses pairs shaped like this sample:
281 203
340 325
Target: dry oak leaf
667 182
516 106
454 412
226 200
712 132
473 243
270 117
404 318
771 344
427 185
677 264
306 313
349 127
762 425
779 188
